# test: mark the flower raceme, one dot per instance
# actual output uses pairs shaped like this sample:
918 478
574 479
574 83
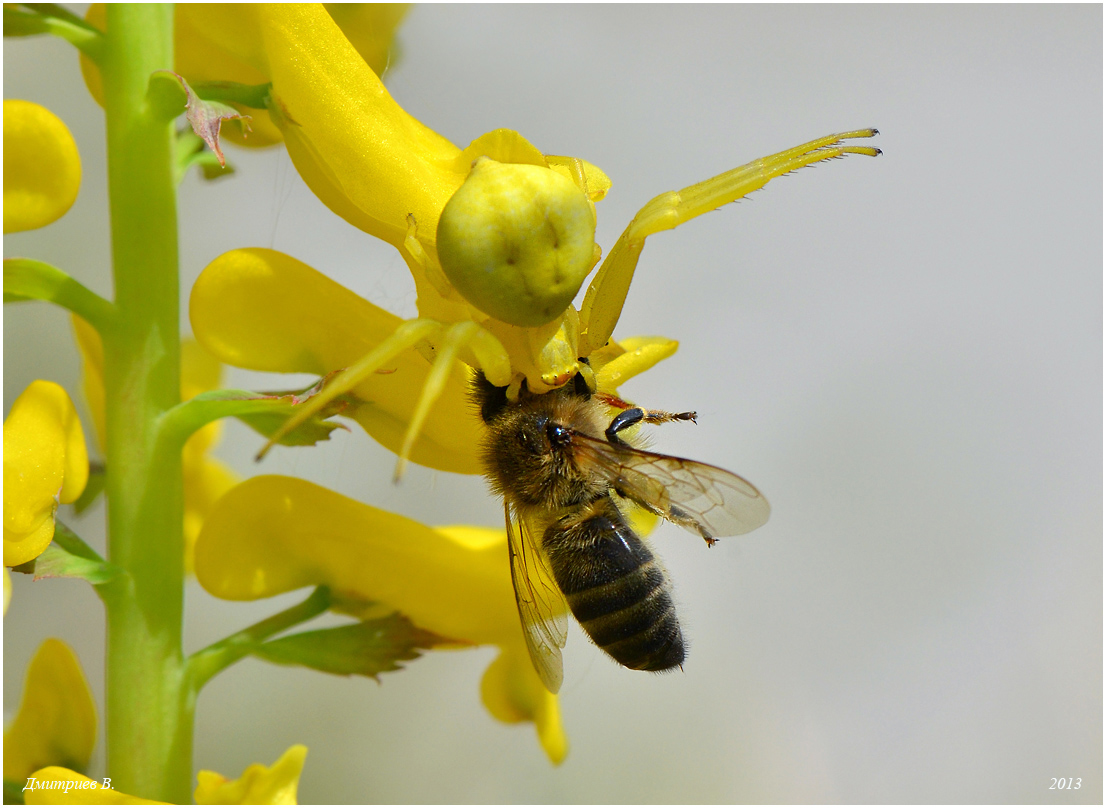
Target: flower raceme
499 238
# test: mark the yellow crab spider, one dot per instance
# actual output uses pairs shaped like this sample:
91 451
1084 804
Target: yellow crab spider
512 248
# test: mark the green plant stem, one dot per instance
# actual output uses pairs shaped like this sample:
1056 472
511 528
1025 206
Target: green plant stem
149 707
205 663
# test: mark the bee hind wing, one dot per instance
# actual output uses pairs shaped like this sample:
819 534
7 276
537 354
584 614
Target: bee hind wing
541 606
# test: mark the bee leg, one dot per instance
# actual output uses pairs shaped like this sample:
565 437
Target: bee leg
662 417
636 415
624 420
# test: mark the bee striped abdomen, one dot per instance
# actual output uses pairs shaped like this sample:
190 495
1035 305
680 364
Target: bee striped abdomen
615 587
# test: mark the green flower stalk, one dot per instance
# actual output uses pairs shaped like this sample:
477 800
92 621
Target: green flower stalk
499 238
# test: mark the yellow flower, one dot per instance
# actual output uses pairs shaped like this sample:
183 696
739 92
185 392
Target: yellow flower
52 737
263 310
219 42
258 785
205 478
45 463
275 534
56 722
42 169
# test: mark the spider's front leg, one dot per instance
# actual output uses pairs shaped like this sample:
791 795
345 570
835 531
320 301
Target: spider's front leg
406 336
488 354
607 292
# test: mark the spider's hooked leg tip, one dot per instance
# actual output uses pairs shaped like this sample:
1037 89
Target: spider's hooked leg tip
401 468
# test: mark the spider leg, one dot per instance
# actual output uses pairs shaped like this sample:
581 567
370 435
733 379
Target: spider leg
607 292
406 336
491 357
455 338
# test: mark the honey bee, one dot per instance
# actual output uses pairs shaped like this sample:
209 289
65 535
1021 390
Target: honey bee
563 471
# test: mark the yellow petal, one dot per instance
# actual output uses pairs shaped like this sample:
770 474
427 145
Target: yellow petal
205 478
273 534
258 785
199 370
45 462
205 481
56 722
91 349
263 310
42 169
370 28
355 147
512 692
56 785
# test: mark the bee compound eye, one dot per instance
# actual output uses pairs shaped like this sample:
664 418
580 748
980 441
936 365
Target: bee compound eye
558 435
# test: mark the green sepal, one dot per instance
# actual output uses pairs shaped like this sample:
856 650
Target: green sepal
97 478
56 562
255 96
23 23
68 556
49 18
265 413
363 649
314 430
190 152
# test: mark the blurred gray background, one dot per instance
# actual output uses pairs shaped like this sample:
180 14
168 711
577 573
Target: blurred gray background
904 354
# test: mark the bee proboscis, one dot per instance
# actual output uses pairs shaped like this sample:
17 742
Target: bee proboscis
559 463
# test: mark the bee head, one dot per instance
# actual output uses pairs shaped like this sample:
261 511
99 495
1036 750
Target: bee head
558 435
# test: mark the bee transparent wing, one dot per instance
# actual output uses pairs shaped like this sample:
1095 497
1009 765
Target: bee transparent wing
541 606
704 499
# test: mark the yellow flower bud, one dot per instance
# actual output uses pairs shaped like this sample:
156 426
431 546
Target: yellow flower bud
517 241
42 170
